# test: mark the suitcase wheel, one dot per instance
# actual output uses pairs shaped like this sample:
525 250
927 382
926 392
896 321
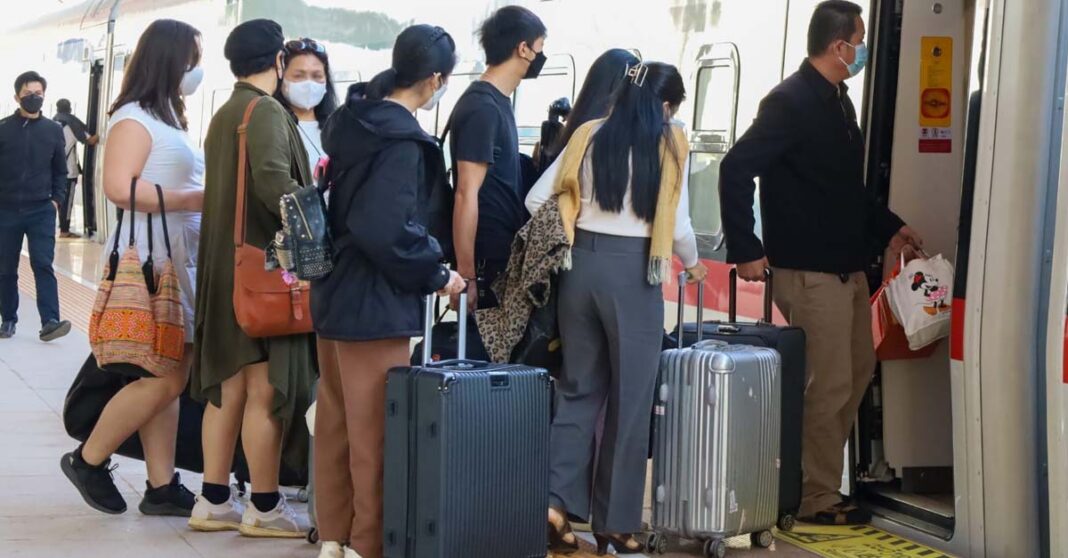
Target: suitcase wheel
715 548
787 523
313 536
656 543
763 539
302 495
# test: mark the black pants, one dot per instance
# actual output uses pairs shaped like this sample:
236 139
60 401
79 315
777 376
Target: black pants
68 205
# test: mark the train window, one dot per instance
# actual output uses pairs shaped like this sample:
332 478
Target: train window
714 123
532 99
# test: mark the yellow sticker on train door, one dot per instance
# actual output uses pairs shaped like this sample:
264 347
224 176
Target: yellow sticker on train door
936 93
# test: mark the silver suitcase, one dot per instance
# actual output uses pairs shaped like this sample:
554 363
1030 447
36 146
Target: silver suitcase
716 445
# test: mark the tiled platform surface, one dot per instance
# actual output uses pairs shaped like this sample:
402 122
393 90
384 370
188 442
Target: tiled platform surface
41 515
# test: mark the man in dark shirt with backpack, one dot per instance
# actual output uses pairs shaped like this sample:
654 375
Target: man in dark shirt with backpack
484 143
33 186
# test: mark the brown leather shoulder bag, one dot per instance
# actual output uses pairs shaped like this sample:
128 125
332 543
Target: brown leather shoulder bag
264 304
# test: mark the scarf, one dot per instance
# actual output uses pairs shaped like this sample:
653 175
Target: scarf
667 203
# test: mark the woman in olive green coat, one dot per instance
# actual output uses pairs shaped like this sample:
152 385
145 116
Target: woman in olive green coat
258 388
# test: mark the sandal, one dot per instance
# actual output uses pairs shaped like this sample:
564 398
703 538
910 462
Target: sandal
623 544
559 533
844 513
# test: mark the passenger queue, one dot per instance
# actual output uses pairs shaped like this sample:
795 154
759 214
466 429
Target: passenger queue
615 193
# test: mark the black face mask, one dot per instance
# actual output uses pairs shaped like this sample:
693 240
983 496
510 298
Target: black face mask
31 103
536 65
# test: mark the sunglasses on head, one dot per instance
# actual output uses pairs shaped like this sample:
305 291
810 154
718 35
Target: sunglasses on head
305 45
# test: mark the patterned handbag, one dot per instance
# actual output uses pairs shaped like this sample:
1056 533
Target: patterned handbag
137 324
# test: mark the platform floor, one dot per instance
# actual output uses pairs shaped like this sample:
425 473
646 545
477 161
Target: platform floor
41 515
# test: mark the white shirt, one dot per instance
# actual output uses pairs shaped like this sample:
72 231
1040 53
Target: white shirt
175 163
592 218
312 137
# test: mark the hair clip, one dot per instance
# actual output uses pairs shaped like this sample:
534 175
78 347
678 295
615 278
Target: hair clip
637 73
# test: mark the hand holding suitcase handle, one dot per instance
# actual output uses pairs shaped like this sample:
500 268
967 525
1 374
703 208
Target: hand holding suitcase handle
732 304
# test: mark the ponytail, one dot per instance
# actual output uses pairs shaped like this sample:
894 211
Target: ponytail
381 85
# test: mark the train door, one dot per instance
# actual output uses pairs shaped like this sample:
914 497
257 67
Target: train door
89 184
952 456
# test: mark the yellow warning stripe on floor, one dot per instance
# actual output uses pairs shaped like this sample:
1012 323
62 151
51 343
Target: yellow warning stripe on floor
858 541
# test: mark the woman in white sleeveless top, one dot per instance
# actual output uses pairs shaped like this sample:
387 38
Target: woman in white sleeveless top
147 139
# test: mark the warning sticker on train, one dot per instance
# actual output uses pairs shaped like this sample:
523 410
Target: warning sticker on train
860 541
936 94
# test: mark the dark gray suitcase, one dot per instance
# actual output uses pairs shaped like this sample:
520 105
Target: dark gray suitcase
466 458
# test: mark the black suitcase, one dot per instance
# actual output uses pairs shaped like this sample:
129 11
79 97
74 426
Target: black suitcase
790 342
466 458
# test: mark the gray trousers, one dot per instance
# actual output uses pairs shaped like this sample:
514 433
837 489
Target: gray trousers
611 327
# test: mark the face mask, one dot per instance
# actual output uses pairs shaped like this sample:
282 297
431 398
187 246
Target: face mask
536 65
191 81
32 103
305 94
859 61
435 98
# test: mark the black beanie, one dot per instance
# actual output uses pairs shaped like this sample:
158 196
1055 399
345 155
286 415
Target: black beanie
253 39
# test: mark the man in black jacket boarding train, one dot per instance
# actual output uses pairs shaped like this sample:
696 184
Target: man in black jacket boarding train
819 223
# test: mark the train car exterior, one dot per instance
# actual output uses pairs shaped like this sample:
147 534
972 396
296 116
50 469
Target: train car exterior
990 407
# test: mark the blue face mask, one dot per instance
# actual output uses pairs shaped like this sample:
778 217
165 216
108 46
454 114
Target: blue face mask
859 61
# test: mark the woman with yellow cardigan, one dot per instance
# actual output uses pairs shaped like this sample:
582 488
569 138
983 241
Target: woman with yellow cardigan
624 203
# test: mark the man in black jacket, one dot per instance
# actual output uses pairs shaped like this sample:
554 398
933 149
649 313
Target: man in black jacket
74 132
820 224
33 185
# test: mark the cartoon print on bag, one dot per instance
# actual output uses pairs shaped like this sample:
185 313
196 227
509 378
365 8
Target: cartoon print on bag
934 293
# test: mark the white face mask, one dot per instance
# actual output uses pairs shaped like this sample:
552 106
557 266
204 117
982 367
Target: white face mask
191 81
435 98
305 94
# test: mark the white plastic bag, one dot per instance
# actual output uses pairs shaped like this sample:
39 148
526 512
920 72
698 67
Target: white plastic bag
920 298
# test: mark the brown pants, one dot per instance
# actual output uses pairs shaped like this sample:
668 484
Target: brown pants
836 317
349 436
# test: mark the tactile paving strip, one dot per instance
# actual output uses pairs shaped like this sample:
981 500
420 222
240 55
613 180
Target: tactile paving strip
75 299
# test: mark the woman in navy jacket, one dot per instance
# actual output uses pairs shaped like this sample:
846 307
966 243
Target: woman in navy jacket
386 172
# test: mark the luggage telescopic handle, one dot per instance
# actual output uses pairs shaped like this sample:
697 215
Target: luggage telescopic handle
732 299
682 308
428 328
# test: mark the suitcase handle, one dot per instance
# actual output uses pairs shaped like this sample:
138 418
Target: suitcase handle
682 307
732 297
428 328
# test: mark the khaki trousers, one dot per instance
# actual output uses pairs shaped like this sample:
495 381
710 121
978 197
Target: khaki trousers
836 317
349 437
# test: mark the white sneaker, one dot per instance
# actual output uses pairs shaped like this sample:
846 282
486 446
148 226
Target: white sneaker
216 517
281 522
331 550
350 553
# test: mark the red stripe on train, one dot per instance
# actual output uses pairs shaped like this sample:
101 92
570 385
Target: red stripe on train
956 334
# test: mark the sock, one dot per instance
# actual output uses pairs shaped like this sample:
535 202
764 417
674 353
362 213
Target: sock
265 501
216 493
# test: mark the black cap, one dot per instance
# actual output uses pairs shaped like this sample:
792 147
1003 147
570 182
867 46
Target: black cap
253 39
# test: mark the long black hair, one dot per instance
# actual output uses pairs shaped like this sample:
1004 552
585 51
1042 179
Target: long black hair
165 51
420 52
305 46
626 150
605 75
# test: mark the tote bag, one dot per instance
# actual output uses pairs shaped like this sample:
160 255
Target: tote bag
888 335
920 300
137 328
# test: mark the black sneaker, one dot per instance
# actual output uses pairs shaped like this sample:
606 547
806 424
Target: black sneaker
7 330
95 484
54 329
172 499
